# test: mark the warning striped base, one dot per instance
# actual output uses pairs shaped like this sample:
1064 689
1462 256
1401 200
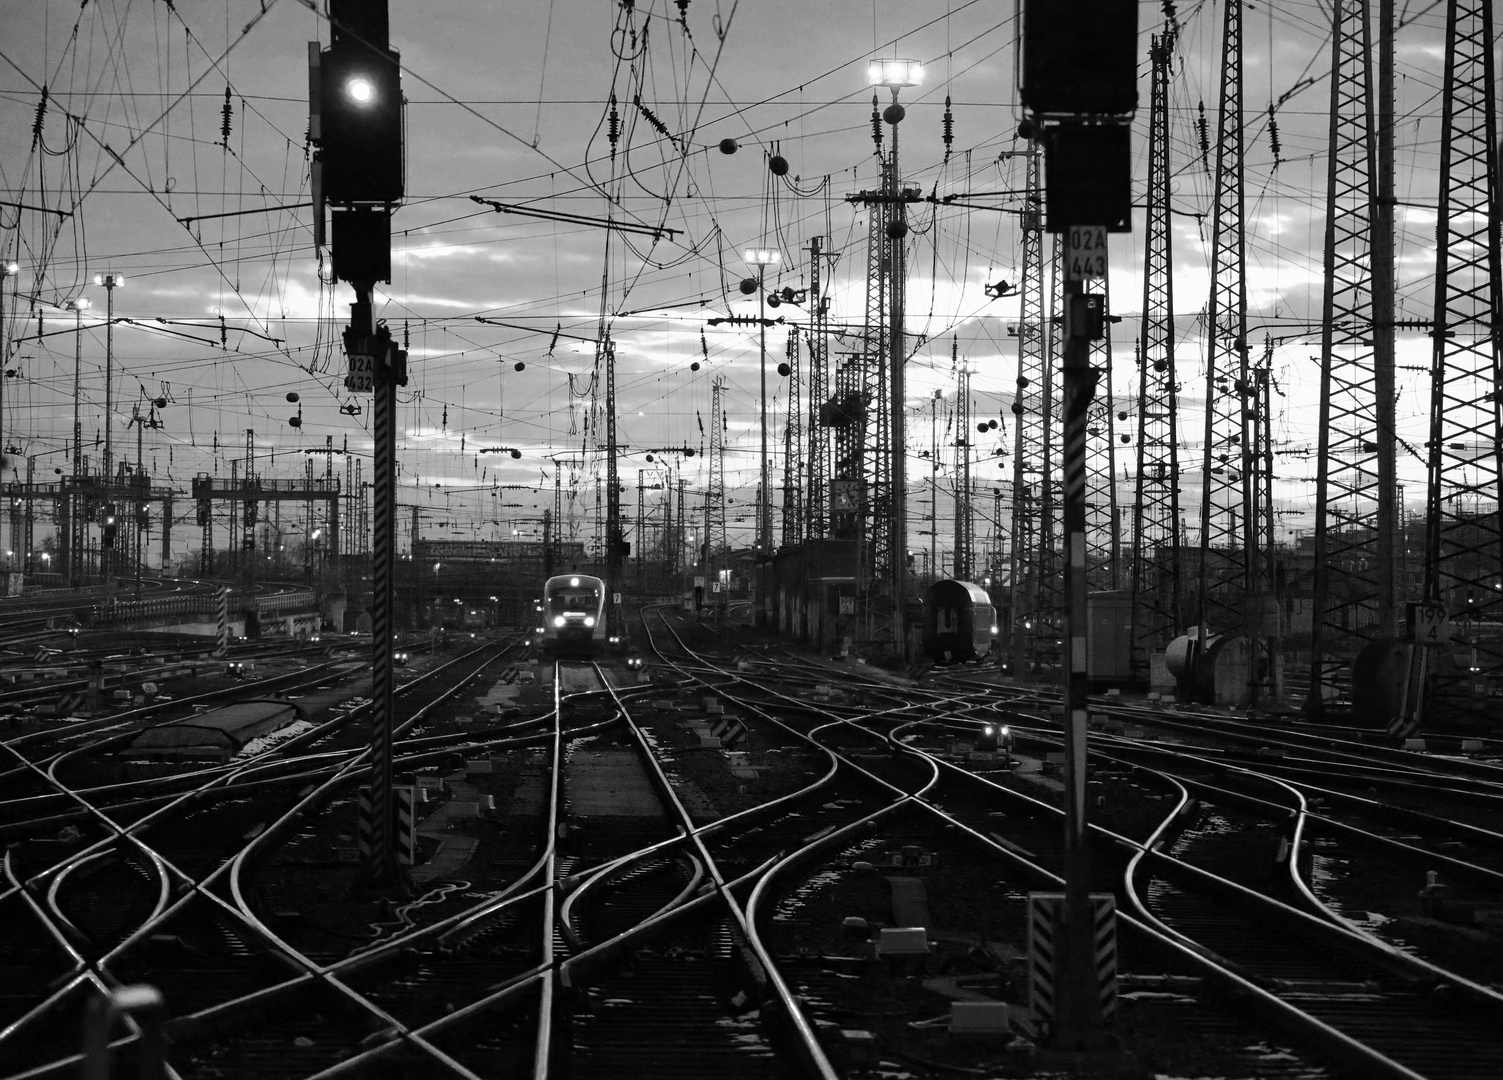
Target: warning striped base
404 817
1104 913
1044 916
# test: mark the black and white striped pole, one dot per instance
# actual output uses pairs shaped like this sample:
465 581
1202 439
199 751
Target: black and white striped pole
387 366
1078 1012
355 117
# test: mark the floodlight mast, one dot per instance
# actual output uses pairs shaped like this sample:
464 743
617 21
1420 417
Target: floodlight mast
896 73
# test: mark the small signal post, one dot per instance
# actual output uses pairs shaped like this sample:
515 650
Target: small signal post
1079 93
355 120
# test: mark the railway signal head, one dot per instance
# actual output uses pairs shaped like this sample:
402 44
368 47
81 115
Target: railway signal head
1080 57
358 105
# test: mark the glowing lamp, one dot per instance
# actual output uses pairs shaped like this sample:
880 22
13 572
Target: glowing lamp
360 90
893 72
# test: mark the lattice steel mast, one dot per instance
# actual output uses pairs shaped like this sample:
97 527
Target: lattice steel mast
816 512
715 542
793 439
965 532
1229 573
1030 467
1103 523
1156 592
1463 539
1353 597
877 460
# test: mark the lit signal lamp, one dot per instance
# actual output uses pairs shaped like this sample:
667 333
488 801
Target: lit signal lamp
355 120
359 113
110 526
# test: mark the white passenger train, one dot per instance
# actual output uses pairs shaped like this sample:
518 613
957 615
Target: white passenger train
573 616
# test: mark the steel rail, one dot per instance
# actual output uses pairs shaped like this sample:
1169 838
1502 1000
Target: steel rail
258 928
1338 1043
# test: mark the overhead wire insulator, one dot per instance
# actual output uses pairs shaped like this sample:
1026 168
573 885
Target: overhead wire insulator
949 128
876 124
36 125
1273 139
651 117
613 132
1203 131
683 13
225 115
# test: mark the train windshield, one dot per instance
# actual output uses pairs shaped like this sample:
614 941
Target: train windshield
574 598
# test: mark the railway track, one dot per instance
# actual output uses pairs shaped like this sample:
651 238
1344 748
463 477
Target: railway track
694 874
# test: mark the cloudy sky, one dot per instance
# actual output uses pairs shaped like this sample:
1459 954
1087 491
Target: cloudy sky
171 149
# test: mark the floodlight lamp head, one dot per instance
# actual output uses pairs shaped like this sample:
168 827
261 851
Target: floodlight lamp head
763 256
893 72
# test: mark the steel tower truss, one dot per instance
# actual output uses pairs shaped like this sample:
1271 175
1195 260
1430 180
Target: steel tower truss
1034 614
1229 601
816 512
614 535
793 439
1103 526
874 376
965 528
1463 543
847 414
1156 597
1348 600
715 541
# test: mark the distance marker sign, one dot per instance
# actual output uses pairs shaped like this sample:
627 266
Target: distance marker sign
1085 252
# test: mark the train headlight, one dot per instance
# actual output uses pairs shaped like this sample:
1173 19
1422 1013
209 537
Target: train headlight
589 620
558 621
994 631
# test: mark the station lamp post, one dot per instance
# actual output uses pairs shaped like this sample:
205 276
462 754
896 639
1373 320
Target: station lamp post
895 73
762 258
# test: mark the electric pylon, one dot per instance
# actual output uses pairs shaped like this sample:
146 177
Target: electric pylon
1352 602
1030 463
1463 538
965 534
1230 595
816 490
793 439
1103 525
1156 594
716 548
877 458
